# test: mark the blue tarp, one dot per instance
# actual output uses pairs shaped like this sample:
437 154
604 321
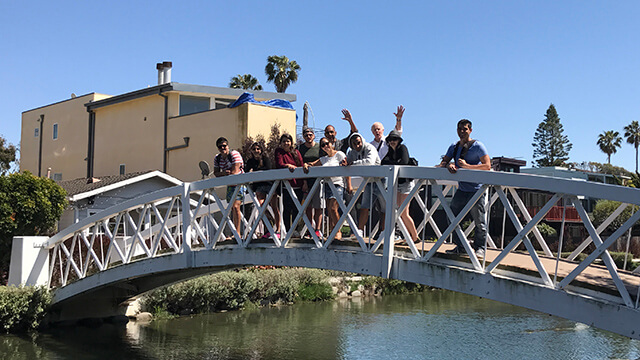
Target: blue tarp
248 97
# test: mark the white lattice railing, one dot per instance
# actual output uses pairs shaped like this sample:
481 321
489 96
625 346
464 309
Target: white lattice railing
194 217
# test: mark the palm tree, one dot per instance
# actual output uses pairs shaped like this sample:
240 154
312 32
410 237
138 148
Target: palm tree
609 141
281 71
632 133
246 82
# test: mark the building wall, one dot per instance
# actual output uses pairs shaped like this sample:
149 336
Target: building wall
130 133
261 117
66 154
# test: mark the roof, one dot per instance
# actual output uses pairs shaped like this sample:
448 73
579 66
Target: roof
78 189
187 88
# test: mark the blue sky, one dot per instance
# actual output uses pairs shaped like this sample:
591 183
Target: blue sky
497 63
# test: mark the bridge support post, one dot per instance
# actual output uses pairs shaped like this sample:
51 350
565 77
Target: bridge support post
29 261
186 224
390 198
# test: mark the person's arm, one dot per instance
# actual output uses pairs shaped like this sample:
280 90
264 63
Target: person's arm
485 164
280 163
348 118
398 115
306 166
403 155
348 184
217 172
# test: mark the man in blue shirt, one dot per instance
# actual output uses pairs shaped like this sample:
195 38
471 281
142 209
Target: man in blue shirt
468 154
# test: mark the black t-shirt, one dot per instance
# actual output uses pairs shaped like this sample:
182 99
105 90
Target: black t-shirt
253 164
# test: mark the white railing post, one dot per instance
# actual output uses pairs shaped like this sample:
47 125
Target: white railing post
390 196
186 222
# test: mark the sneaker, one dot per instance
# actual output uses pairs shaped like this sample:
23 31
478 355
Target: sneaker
266 235
319 234
480 253
455 250
360 232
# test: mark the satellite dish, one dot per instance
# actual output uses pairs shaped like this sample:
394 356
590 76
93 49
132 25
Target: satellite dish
204 168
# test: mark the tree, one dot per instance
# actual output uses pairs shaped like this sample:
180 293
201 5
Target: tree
246 82
609 142
550 146
281 71
632 133
7 155
29 205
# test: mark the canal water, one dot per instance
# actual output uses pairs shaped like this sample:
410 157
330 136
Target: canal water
433 325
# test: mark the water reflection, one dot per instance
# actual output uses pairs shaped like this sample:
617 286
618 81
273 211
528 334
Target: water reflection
436 324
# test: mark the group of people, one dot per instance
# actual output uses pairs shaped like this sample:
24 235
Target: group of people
353 150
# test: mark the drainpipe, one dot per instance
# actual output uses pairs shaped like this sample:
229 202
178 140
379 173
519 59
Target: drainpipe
40 147
91 142
166 126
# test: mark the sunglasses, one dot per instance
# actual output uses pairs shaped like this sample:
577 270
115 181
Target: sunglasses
308 134
222 146
323 144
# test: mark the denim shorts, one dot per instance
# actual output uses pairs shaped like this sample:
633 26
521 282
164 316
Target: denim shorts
367 199
241 192
328 194
406 187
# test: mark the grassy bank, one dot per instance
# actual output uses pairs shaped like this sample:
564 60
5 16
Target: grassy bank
233 290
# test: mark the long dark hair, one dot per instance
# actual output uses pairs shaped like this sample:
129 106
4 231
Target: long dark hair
262 154
292 150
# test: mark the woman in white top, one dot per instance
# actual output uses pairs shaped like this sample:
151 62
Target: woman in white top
333 158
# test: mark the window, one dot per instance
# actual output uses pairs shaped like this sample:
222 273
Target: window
55 131
193 104
57 177
223 103
36 132
122 169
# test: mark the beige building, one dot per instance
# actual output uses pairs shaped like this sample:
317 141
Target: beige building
169 127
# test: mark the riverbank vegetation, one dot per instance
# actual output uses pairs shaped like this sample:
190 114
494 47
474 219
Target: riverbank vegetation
22 308
254 287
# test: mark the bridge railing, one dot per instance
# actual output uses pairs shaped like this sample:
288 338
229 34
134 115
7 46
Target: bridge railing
196 217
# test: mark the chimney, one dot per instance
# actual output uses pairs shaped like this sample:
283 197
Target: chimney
167 71
160 68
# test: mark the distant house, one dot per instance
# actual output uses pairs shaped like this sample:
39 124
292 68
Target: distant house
90 196
168 127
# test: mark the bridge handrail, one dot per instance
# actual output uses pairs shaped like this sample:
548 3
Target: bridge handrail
526 181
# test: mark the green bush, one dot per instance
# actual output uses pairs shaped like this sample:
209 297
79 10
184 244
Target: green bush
22 308
604 208
233 290
546 230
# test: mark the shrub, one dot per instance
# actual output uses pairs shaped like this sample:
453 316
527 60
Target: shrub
604 208
22 308
233 290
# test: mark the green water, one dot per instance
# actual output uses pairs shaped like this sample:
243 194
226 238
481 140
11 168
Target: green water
433 325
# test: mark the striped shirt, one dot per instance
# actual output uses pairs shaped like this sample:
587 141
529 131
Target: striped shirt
227 163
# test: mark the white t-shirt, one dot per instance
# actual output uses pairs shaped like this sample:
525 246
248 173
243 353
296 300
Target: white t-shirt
334 161
382 146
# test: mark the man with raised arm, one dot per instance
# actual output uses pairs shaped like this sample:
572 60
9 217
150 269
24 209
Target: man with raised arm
468 154
377 129
330 133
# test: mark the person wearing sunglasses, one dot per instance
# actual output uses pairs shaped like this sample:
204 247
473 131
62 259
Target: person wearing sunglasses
333 158
398 154
229 162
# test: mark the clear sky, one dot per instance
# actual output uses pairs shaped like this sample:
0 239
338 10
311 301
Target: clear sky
497 63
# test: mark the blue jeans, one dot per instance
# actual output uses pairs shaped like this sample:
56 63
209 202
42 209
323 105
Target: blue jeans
478 213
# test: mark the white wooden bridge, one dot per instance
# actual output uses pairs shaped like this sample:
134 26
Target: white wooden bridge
98 264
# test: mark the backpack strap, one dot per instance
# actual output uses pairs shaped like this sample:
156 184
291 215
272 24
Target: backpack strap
465 149
379 146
